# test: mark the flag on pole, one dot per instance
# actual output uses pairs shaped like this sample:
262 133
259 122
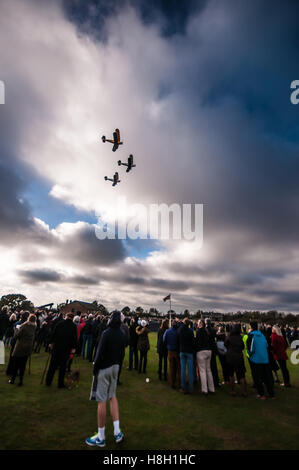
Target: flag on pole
167 298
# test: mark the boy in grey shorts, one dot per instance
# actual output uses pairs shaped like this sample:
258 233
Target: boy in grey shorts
105 372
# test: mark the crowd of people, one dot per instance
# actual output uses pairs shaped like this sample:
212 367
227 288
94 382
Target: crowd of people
195 347
185 346
187 353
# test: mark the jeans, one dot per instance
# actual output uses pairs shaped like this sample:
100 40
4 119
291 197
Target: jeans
87 340
187 359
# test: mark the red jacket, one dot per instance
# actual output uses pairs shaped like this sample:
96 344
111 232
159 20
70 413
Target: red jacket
279 346
80 327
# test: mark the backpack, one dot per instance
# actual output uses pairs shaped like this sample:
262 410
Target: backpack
221 348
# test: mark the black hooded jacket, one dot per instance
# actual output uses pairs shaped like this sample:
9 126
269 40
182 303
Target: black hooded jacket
64 336
111 347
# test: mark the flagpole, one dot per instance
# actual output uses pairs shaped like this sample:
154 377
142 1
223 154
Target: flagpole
170 312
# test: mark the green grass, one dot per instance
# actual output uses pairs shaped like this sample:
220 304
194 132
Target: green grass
152 415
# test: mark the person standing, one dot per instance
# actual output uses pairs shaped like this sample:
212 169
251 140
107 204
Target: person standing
87 338
143 345
235 360
273 364
186 342
125 331
162 350
95 329
279 349
80 327
203 356
133 351
24 336
63 343
108 358
171 341
10 329
258 351
220 338
244 339
213 346
4 322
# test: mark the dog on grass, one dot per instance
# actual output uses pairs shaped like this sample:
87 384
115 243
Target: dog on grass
72 379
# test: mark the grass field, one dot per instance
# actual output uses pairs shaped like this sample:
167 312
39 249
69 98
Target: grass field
152 415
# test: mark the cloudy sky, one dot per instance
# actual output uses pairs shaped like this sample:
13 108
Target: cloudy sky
201 93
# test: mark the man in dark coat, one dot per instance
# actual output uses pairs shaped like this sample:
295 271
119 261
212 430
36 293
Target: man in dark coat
63 342
4 322
125 330
133 351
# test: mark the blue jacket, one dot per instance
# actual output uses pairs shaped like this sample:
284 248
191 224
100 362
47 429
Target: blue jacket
171 340
257 347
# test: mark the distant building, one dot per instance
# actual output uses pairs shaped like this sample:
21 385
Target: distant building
79 307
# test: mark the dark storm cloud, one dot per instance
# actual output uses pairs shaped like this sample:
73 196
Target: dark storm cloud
279 297
15 215
82 246
172 16
83 280
40 276
37 276
284 298
79 247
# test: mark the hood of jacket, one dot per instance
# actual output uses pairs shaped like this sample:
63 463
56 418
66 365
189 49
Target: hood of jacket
115 320
256 333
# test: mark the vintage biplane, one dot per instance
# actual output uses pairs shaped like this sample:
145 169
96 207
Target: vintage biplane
116 140
129 165
115 179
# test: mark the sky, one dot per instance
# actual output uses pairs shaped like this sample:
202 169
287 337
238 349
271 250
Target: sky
200 91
